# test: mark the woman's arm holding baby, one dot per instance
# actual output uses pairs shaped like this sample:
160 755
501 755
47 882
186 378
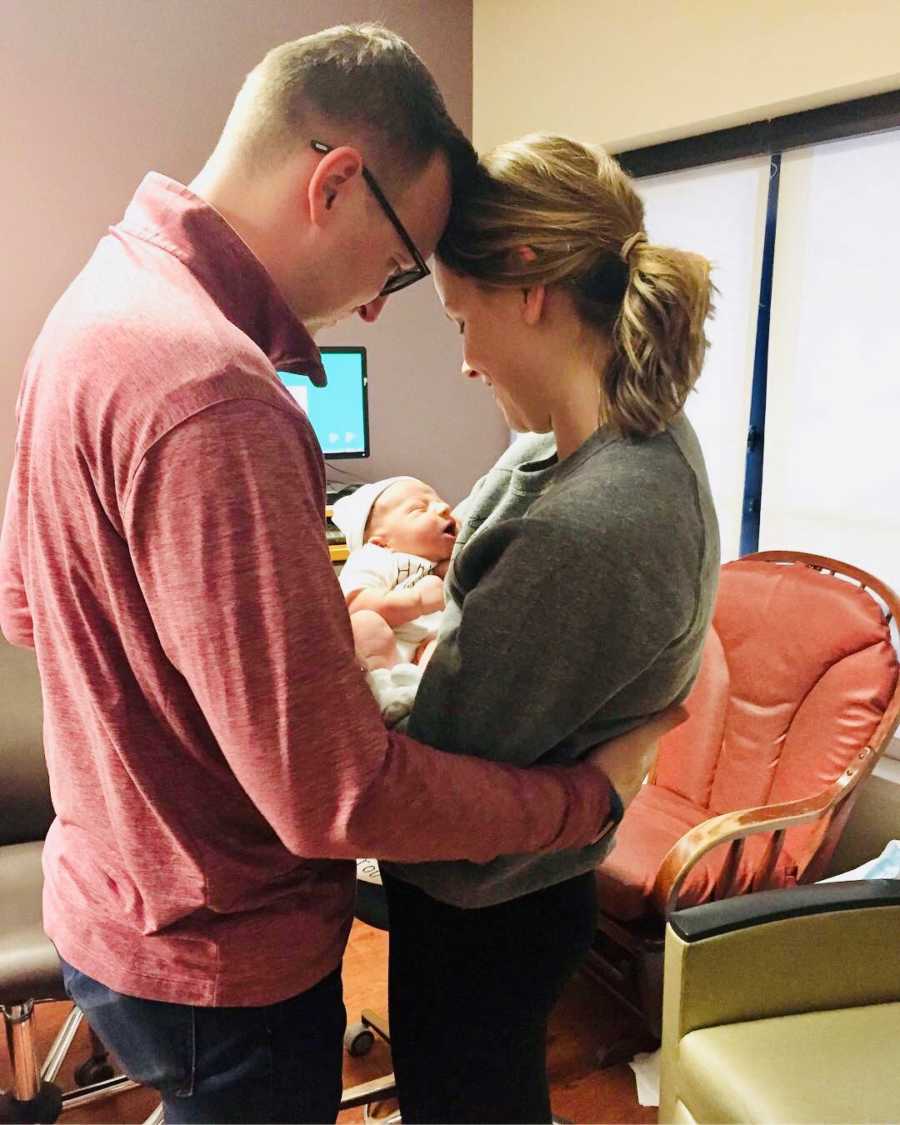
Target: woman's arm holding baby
543 633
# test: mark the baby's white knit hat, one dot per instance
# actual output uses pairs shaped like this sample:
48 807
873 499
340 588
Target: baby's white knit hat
351 513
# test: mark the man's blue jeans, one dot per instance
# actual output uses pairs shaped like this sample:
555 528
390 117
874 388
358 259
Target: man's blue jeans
280 1063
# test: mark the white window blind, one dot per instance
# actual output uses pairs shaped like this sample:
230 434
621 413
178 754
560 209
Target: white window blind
719 211
831 474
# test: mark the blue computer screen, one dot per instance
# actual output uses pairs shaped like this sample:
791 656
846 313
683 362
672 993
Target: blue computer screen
338 412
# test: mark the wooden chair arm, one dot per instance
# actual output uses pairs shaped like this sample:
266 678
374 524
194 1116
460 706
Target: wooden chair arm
684 855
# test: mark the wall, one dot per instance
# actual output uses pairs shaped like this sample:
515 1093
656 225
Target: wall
626 74
97 92
875 820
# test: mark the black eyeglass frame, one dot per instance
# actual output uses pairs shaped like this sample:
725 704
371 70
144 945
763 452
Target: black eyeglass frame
404 278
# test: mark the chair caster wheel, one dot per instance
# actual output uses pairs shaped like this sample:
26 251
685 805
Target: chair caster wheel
47 1106
375 1118
93 1070
358 1040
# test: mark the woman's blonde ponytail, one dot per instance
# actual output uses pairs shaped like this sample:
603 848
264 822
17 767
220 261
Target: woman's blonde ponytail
658 337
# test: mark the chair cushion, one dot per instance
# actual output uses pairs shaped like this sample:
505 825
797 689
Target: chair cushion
27 811
656 820
830 1066
797 671
29 966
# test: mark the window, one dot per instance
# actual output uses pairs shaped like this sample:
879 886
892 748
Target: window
829 377
719 211
831 476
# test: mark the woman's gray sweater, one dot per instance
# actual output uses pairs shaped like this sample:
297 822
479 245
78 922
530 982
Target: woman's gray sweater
577 604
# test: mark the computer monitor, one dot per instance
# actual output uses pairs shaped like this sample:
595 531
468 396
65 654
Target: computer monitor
339 412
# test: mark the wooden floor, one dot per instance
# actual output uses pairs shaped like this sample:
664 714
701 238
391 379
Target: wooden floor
583 1021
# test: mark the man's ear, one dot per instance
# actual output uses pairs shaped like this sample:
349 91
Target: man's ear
332 181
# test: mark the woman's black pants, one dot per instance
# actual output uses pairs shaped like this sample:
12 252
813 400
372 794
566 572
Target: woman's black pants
470 994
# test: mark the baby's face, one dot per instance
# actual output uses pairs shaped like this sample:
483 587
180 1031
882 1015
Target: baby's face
410 516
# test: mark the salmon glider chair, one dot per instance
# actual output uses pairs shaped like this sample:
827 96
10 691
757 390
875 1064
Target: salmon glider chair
796 699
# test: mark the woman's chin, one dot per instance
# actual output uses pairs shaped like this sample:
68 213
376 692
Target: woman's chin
514 418
515 421
522 426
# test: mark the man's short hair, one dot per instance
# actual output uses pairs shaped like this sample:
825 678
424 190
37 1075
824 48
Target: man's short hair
363 79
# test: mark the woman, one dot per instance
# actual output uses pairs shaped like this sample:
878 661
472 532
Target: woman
577 601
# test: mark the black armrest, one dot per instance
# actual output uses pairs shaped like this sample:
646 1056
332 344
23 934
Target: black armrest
712 918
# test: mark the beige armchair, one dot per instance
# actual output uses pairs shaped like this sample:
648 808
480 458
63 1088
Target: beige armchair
784 1006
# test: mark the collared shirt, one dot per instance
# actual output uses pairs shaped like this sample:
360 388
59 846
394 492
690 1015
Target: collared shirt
216 760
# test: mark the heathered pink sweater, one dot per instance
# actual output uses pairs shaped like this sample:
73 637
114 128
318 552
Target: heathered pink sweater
215 757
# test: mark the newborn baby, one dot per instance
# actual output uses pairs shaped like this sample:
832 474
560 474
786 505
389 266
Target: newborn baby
401 535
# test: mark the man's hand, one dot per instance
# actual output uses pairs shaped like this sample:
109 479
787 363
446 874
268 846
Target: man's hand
628 759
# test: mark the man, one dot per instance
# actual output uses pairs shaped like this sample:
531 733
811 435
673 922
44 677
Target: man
215 757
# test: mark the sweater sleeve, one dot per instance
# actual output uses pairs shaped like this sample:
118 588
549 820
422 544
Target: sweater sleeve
553 620
225 521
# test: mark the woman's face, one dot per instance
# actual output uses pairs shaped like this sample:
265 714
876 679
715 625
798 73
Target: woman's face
497 348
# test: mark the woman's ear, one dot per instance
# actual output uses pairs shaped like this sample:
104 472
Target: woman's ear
332 182
533 296
533 303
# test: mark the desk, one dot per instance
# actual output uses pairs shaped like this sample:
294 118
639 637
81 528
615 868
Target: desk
339 551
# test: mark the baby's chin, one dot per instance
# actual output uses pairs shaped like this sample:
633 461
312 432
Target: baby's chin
434 554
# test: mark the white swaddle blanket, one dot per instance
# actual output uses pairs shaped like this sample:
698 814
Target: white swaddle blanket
395 689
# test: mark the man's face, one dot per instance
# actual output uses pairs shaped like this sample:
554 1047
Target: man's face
371 249
411 517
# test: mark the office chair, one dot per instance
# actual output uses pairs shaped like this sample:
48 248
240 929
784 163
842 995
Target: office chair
371 908
784 1006
796 699
29 967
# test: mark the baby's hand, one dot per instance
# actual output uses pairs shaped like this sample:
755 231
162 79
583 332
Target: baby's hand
431 594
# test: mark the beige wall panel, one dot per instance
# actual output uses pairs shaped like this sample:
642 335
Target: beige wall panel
629 72
98 92
874 822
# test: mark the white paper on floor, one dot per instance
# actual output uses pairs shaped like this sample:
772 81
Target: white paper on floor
646 1075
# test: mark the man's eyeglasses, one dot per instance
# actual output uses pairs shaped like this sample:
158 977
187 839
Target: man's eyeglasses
402 278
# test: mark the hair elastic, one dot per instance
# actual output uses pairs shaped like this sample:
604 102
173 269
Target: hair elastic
629 244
